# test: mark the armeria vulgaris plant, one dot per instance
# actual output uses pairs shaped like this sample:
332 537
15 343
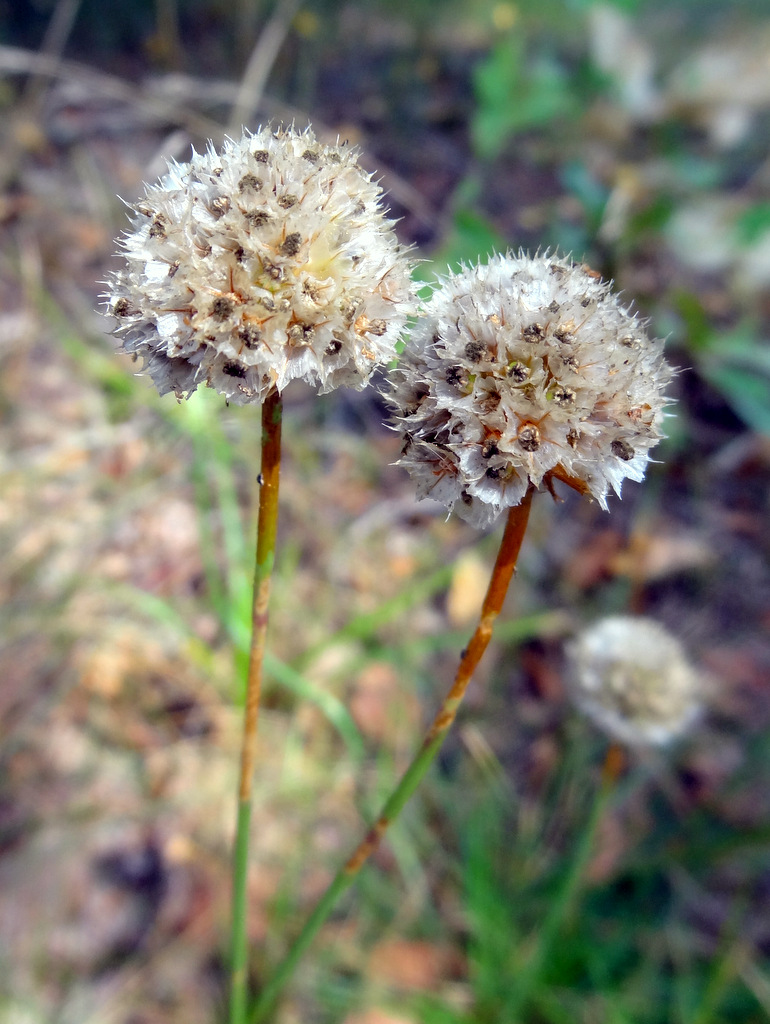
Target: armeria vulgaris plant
248 268
273 260
519 373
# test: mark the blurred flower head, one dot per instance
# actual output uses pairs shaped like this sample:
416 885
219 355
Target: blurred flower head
524 370
633 679
270 261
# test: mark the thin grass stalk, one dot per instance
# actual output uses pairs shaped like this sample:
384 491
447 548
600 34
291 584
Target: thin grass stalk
505 564
260 64
272 414
563 903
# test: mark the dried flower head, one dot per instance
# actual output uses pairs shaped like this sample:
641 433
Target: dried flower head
522 370
269 261
633 679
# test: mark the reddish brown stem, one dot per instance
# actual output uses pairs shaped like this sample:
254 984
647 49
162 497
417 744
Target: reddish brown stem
505 564
266 534
272 411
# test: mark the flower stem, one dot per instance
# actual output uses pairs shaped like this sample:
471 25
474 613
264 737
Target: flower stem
502 573
272 413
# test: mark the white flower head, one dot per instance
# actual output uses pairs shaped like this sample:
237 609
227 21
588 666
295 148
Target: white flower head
270 261
633 679
520 371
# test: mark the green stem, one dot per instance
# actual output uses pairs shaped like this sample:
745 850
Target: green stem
272 412
505 564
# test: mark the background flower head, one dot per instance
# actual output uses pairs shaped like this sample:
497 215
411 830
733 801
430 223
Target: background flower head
634 680
521 370
270 261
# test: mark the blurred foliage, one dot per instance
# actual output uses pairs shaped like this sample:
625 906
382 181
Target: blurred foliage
549 940
516 92
737 364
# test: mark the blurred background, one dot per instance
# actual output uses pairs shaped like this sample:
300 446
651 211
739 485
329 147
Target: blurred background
632 134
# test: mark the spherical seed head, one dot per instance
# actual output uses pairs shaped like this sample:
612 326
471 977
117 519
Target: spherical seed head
269 261
633 679
522 370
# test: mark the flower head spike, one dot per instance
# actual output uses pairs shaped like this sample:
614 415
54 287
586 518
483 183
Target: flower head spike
270 261
633 679
524 370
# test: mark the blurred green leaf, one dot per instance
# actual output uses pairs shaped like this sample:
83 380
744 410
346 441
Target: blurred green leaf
472 239
695 171
592 195
698 331
745 389
753 223
738 365
515 93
